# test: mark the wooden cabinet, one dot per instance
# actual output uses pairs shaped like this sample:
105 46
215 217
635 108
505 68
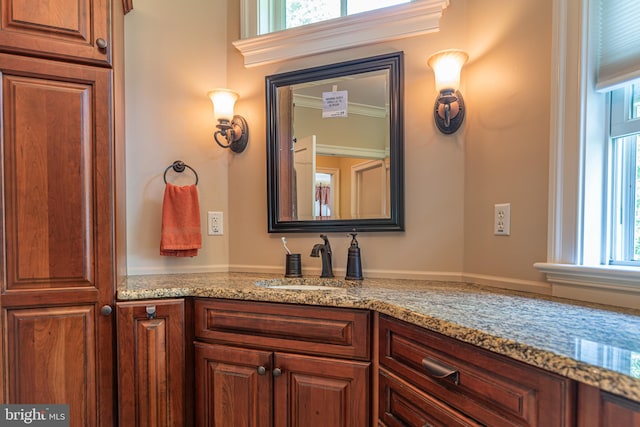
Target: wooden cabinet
57 206
58 248
75 30
597 408
262 364
152 363
233 387
429 379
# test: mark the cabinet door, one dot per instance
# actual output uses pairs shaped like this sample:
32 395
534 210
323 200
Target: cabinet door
151 363
597 408
233 386
57 214
52 359
61 29
318 392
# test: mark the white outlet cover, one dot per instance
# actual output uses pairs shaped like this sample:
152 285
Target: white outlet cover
502 219
215 223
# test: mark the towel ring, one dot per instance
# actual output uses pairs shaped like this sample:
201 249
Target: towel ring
179 167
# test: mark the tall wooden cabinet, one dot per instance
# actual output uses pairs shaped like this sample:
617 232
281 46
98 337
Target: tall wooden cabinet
61 187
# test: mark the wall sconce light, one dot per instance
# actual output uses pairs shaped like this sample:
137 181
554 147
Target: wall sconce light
449 108
233 129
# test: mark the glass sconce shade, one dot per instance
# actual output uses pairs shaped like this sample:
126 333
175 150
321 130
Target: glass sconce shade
446 66
223 102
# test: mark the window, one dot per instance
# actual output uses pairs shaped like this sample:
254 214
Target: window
302 12
625 176
592 186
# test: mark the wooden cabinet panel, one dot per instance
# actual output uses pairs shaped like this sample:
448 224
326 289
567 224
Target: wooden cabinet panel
58 209
487 387
402 405
52 358
319 392
304 329
57 214
597 408
151 363
61 29
231 389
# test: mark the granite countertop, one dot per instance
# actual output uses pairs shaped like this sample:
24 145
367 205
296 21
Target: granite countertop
592 344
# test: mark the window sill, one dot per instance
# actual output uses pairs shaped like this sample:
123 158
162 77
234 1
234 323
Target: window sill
619 278
395 22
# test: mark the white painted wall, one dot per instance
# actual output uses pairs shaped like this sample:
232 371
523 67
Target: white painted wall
176 51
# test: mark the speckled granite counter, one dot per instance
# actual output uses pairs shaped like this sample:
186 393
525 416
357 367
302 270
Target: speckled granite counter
592 344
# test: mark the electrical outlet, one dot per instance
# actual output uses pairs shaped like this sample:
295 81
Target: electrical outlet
502 219
215 224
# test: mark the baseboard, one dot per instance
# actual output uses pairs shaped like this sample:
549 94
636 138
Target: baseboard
536 287
144 271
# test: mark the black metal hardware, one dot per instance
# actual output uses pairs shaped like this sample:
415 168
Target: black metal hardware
151 311
106 310
179 166
441 370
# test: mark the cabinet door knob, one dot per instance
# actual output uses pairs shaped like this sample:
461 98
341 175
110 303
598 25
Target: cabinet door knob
151 311
276 372
106 310
101 43
441 370
262 370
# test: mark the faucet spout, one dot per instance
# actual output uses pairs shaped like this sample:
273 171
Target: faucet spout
323 250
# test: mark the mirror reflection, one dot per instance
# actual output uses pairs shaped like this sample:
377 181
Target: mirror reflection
335 147
341 147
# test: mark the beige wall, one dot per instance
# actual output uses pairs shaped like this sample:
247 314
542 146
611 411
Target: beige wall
175 53
452 182
434 237
507 135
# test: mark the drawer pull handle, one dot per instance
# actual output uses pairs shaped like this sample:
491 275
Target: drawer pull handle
441 370
262 370
277 372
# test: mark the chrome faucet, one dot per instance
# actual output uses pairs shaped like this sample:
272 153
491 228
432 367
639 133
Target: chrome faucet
323 250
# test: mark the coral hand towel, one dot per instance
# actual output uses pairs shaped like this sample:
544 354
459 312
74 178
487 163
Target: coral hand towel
181 235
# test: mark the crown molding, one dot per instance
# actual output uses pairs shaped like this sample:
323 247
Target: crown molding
394 22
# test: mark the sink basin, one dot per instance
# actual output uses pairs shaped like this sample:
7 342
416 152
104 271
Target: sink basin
307 284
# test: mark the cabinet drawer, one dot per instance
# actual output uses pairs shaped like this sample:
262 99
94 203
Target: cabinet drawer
488 387
401 405
336 332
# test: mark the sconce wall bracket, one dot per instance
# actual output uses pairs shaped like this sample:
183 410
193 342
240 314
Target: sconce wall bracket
236 134
448 111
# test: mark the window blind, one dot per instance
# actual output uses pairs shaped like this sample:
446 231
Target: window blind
619 52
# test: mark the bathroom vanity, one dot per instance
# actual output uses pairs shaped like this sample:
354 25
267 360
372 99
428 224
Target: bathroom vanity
387 353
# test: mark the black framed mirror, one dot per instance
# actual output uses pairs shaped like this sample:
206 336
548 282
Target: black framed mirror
335 144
